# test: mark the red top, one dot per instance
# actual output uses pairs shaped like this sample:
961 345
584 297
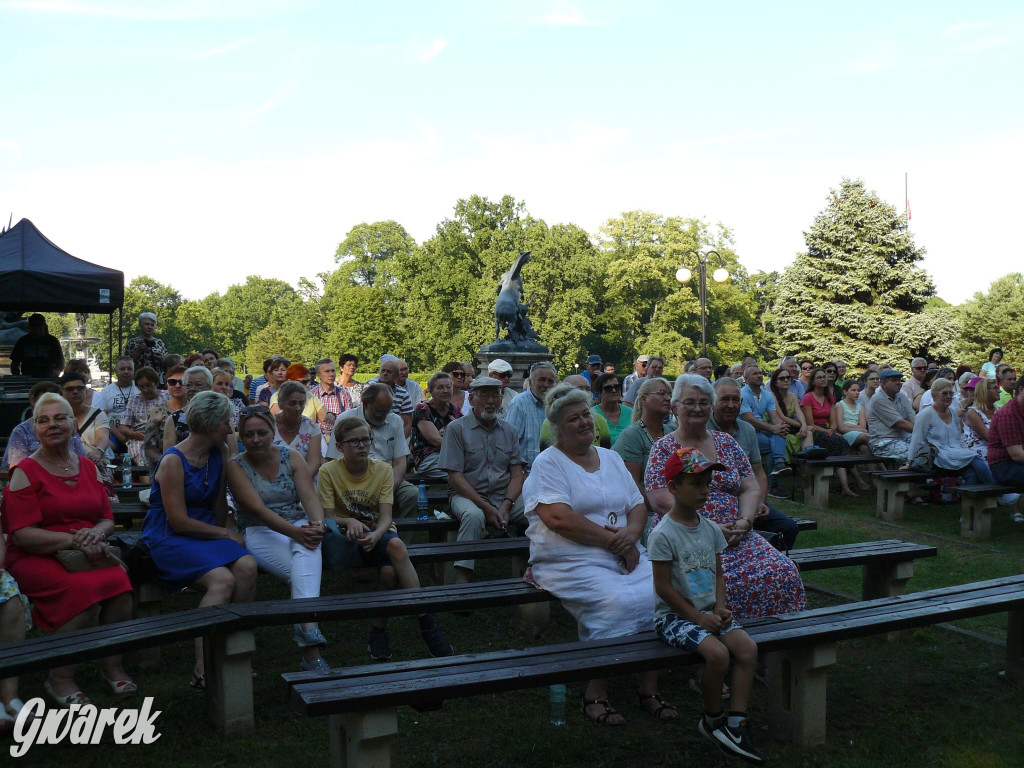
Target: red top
54 503
820 413
1006 429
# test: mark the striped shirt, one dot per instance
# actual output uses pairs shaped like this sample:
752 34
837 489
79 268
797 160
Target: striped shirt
526 415
401 404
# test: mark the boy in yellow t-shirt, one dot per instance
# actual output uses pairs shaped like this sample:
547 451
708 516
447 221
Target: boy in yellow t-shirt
357 494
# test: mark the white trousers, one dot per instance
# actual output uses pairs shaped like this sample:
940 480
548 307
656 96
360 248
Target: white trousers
286 559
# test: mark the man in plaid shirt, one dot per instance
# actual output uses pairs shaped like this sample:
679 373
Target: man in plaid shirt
1006 440
336 400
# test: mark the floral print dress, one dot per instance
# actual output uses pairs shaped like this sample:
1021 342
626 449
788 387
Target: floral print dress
759 580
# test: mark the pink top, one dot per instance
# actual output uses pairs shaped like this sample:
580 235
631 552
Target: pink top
820 413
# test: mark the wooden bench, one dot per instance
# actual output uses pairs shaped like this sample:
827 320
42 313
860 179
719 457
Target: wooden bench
978 502
893 488
815 474
127 512
360 702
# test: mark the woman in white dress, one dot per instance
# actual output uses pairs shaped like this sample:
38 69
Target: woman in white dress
585 519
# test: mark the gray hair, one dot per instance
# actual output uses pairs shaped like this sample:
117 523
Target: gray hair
541 365
321 362
725 381
940 385
919 360
372 391
52 397
785 359
206 410
652 358
146 315
694 381
439 376
198 369
558 399
288 389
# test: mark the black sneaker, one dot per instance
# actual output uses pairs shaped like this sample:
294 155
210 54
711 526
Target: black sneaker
775 490
437 643
738 741
379 644
780 470
708 731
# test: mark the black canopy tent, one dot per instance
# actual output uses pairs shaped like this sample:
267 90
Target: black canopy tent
38 276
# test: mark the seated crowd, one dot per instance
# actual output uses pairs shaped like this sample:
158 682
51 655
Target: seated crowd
305 468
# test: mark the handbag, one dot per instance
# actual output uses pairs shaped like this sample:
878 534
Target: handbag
774 538
924 459
75 561
136 556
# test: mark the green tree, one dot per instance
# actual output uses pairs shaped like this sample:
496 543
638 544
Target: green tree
251 307
858 291
993 319
373 250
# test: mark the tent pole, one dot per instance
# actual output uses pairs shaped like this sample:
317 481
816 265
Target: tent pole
110 343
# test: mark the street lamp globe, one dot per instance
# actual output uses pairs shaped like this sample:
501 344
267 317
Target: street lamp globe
683 275
720 275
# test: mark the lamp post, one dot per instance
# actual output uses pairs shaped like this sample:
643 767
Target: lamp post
720 275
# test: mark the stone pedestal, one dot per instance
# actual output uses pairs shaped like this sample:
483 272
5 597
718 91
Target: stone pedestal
518 357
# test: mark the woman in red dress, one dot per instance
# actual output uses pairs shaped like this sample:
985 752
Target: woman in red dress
55 501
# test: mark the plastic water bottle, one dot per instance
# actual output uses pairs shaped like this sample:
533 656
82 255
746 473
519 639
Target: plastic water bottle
557 696
422 503
126 471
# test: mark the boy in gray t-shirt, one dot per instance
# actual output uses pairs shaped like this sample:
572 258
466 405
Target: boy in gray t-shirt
690 611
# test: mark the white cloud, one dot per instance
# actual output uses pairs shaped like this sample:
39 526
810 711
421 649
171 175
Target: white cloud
436 46
223 49
955 30
564 15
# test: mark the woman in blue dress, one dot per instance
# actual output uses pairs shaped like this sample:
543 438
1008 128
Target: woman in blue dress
185 527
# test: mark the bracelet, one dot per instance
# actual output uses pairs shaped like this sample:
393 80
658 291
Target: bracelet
510 501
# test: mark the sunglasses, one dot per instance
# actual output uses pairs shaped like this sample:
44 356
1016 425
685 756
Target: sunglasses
457 375
807 368
611 388
174 382
784 378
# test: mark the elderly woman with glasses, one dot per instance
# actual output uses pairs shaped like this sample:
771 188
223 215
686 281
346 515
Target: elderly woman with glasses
193 381
619 416
586 518
186 526
22 441
759 580
56 503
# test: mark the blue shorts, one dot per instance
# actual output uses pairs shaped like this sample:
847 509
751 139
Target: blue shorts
340 554
685 634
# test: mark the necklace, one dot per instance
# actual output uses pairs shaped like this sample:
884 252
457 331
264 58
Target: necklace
51 462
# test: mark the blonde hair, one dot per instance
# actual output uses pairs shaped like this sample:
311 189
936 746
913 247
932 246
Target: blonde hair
645 389
51 397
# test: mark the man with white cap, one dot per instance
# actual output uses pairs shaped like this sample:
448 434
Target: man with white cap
146 349
502 371
481 454
890 417
640 372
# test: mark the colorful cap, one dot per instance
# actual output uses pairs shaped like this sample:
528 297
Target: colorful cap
973 383
688 461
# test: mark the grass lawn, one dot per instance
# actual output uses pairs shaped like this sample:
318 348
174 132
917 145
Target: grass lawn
930 697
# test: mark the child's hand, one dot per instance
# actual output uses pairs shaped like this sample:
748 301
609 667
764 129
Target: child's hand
711 622
725 615
355 529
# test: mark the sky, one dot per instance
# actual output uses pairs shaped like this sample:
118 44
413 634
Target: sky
200 141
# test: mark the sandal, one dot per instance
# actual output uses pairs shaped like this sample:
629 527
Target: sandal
198 682
122 689
663 711
601 719
75 697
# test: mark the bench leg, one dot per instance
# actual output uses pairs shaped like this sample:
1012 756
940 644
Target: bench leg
890 499
148 599
362 739
1015 646
885 579
976 516
816 486
534 618
796 690
229 680
447 569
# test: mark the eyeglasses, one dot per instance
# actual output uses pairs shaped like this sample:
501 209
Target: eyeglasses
806 367
611 388
918 368
696 405
644 365
357 442
174 382
197 385
784 378
76 390
506 375
60 420
458 374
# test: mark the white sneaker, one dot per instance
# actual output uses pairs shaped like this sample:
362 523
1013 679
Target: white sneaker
1009 499
1017 517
